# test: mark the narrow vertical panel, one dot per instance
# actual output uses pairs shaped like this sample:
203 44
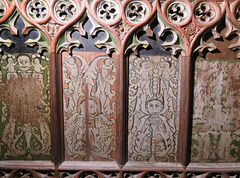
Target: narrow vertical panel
122 93
185 110
24 107
153 108
56 108
216 122
89 116
24 93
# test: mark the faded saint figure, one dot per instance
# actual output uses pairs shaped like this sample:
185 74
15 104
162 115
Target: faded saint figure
104 83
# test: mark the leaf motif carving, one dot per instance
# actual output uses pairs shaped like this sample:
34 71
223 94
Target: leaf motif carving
108 42
175 44
67 43
136 44
201 49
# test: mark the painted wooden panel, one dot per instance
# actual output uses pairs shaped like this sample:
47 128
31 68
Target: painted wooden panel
24 107
216 121
89 92
153 106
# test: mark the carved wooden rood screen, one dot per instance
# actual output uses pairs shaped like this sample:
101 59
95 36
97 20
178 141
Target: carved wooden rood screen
119 88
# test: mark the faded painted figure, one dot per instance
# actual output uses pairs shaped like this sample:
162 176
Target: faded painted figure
24 108
73 78
216 121
153 122
98 132
104 83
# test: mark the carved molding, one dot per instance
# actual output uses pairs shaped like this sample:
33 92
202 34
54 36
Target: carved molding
113 174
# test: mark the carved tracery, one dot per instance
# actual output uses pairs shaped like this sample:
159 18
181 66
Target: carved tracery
107 11
37 9
95 39
136 11
65 10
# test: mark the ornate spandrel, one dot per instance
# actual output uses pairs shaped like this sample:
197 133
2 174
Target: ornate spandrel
89 95
24 95
153 100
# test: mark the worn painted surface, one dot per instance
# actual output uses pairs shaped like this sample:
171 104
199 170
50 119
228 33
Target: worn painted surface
24 107
216 121
153 106
90 132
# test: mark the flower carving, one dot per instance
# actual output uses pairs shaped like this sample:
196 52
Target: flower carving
107 11
121 29
191 30
177 12
65 10
205 12
52 28
37 9
136 11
